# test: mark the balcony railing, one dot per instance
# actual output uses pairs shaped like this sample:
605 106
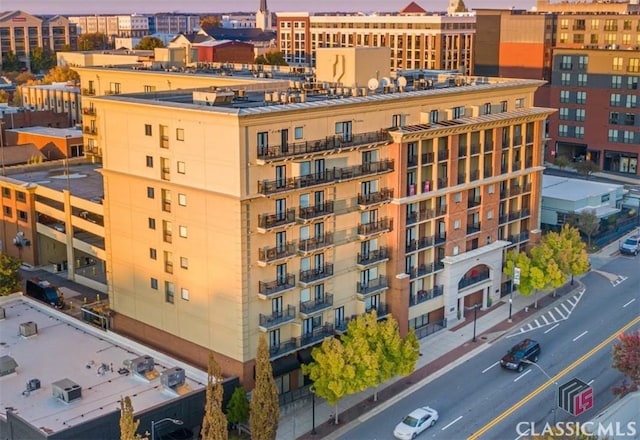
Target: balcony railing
518 238
383 225
316 305
422 270
317 274
88 92
472 228
166 206
372 286
443 155
315 243
282 348
168 266
474 278
165 173
384 195
167 236
364 169
421 243
266 288
412 161
90 130
373 257
440 238
269 221
381 310
331 143
431 328
277 318
269 254
419 216
425 295
475 149
90 111
461 178
474 201
462 150
317 335
311 212
427 158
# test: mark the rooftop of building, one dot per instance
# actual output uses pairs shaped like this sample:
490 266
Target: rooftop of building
62 86
566 188
66 353
50 131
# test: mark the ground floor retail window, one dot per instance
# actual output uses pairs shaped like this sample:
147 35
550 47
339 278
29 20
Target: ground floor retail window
620 162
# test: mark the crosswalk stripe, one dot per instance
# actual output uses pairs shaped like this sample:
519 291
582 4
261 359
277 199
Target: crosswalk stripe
560 313
566 309
537 323
570 301
545 319
550 313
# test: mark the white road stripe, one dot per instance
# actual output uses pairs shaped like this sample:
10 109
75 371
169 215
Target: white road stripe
591 381
628 303
548 330
537 323
559 313
571 302
445 427
566 309
580 335
490 367
546 321
550 313
522 375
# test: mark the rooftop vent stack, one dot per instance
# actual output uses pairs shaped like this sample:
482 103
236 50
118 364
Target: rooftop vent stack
303 96
66 390
173 377
28 329
3 313
8 365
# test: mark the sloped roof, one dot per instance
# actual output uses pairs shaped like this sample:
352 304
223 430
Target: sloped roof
20 154
413 8
242 34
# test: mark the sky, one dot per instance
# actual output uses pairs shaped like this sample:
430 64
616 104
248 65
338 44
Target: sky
73 7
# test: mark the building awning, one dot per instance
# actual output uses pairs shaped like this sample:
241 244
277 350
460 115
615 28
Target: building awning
304 356
285 365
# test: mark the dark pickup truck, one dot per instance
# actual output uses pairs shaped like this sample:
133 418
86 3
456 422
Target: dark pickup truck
44 291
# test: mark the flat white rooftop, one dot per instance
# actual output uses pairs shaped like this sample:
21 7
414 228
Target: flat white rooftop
65 348
566 188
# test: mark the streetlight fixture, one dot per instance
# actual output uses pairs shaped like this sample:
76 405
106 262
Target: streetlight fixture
516 282
166 419
555 393
475 318
313 409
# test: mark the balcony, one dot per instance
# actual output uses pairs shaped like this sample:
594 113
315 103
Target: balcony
316 243
461 178
517 140
427 158
166 205
277 319
88 92
420 216
267 187
473 228
365 169
167 236
475 175
421 243
270 221
462 151
367 229
372 257
475 149
316 335
381 310
367 200
474 201
90 130
315 275
440 238
329 144
164 141
268 255
89 111
412 161
518 238
281 285
441 210
372 286
420 271
426 295
443 155
475 278
168 266
283 348
316 211
308 308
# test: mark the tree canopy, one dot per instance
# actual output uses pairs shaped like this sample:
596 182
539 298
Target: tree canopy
149 43
10 62
60 74
42 60
569 251
272 59
238 407
586 167
128 426
626 359
264 406
93 41
214 423
9 275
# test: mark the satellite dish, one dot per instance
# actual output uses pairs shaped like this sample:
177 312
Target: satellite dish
402 82
385 82
372 84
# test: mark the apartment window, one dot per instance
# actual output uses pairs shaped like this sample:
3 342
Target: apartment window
564 38
181 168
153 254
595 24
180 134
520 103
458 112
503 106
298 133
152 223
612 135
632 101
149 161
564 96
150 192
565 79
169 292
457 197
614 118
433 116
456 224
22 215
182 230
182 199
616 82
184 294
579 132
263 143
617 63
184 262
580 114
489 214
490 189
615 99
582 79
148 130
397 120
20 196
632 83
6 192
562 130
7 211
629 119
154 283
487 109
581 97
593 39
563 114
149 89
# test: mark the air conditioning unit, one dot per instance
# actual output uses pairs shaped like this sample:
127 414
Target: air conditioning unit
28 329
141 365
8 365
66 390
172 377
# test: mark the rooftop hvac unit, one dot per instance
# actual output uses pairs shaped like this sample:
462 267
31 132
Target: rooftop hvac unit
8 365
29 328
172 377
66 390
141 365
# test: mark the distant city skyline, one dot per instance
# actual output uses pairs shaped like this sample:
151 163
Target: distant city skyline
74 7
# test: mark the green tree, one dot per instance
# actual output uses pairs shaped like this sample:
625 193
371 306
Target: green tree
561 162
41 59
9 275
149 43
587 222
545 271
128 426
522 261
586 168
238 408
10 62
264 406
272 59
214 423
4 96
569 251
24 77
333 371
626 359
93 41
60 74
210 21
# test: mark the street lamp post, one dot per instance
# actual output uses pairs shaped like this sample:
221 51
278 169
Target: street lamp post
313 410
166 419
475 318
556 386
516 282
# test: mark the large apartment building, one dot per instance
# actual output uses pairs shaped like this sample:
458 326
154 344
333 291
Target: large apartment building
285 208
417 39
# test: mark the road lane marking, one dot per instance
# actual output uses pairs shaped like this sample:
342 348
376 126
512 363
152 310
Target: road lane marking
550 313
522 375
546 321
591 381
580 335
537 323
559 313
445 427
566 309
628 303
516 406
490 367
548 330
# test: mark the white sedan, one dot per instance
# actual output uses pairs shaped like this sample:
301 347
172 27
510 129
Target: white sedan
416 422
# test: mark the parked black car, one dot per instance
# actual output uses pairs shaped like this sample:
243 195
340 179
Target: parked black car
527 350
44 291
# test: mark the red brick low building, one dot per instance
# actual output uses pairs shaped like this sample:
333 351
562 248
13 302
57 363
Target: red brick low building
226 51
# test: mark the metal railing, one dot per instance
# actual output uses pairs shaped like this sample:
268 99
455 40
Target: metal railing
276 286
268 254
315 243
425 295
311 275
316 305
320 210
267 221
373 285
373 257
385 224
277 318
385 194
